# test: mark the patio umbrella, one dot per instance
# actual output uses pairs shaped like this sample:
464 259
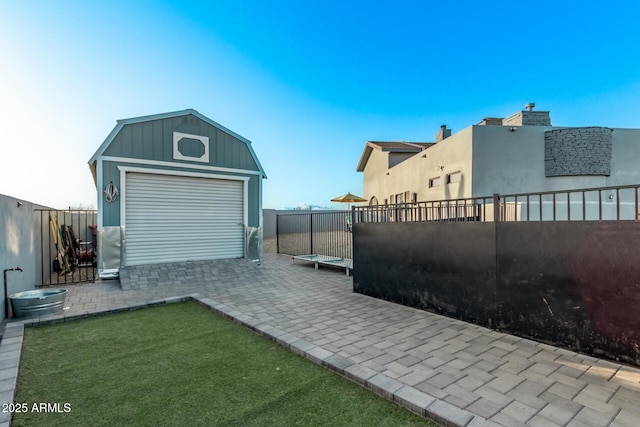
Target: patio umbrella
349 198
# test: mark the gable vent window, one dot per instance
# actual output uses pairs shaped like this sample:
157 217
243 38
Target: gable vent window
454 177
435 182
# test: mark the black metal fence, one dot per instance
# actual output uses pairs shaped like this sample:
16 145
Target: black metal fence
68 249
320 233
596 204
559 266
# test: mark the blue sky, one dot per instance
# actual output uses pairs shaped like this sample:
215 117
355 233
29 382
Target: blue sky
308 82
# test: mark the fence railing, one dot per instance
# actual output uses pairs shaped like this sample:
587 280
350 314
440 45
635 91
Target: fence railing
585 204
68 245
321 233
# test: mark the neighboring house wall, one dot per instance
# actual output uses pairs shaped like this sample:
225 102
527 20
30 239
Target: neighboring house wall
397 158
453 154
449 156
376 180
524 155
20 245
509 162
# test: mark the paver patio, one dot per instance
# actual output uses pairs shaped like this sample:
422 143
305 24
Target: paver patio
454 372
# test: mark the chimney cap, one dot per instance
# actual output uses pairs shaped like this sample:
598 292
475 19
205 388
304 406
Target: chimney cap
530 106
443 126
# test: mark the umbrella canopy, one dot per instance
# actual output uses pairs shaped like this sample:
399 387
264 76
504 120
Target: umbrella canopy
349 198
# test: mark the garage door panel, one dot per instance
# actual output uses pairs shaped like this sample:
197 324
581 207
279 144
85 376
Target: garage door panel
193 238
193 248
173 218
170 213
191 233
157 245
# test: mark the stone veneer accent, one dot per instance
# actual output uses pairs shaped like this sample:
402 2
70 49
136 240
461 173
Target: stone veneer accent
528 118
578 151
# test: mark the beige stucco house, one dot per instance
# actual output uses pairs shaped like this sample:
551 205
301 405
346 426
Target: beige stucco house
522 153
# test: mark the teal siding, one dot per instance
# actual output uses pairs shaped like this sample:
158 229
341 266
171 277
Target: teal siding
254 199
110 210
153 140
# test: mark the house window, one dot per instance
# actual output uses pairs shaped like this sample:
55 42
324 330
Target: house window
434 182
454 177
373 201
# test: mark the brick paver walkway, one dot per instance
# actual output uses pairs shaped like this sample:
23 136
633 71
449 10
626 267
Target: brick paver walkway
448 370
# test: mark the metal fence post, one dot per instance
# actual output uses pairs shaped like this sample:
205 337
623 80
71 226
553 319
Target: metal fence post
311 231
277 234
496 207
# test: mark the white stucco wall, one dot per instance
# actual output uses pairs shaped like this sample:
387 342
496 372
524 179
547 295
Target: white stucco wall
19 245
375 176
412 175
453 154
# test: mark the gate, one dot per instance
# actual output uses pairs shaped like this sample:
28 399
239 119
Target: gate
320 233
68 246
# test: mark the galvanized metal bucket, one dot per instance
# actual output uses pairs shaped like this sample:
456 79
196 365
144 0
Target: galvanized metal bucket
37 303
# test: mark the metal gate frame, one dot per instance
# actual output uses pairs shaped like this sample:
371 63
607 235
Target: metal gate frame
81 265
315 232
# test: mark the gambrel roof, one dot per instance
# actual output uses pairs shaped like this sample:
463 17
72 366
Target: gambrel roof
123 122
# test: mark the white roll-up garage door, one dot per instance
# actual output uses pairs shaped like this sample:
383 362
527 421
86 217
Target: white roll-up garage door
177 218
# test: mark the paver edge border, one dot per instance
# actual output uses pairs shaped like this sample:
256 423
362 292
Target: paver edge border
408 397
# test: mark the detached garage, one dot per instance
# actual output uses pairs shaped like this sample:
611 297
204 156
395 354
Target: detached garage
176 187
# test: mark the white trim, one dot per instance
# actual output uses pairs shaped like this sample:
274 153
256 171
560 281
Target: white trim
179 173
100 208
177 155
245 213
176 164
123 202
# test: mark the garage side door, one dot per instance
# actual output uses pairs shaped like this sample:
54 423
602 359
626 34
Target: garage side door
174 218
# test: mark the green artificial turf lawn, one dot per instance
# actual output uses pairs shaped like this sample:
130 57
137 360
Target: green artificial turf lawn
183 365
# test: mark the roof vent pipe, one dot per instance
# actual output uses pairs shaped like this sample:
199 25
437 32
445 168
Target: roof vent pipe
530 106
